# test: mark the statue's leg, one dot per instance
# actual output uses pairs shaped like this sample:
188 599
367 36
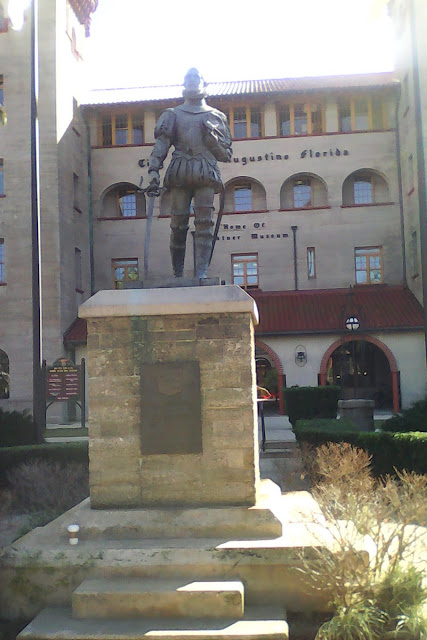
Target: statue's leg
203 213
180 212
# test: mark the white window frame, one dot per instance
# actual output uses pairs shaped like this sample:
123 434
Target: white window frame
242 279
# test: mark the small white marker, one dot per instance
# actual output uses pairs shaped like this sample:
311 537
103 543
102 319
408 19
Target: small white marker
73 530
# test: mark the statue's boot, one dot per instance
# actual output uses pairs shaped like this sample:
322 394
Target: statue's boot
179 228
203 239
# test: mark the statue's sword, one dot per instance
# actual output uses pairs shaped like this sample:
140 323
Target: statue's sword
148 233
218 222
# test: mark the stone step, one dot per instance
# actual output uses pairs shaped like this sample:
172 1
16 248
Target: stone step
280 444
154 598
277 453
197 522
258 623
279 449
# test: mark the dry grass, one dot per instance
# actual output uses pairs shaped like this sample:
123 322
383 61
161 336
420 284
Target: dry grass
376 536
47 486
38 492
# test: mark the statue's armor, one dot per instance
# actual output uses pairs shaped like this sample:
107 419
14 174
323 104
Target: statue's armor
193 163
200 136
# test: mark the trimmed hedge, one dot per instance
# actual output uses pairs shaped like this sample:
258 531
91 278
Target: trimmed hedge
66 452
16 428
412 419
389 451
304 403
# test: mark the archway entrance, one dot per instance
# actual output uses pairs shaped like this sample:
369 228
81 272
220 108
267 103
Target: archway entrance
362 370
269 374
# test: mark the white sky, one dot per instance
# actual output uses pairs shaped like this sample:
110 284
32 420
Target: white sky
138 42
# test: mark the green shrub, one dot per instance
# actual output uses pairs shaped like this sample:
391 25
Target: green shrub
311 402
389 451
16 428
11 457
412 419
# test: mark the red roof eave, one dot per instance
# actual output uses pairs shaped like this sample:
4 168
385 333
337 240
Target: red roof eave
379 307
76 333
322 311
242 88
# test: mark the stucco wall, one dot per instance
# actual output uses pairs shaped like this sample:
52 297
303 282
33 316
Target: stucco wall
334 231
15 220
407 348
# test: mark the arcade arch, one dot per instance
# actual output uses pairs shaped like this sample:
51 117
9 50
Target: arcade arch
364 367
265 356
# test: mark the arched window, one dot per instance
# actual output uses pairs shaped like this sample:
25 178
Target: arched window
123 201
4 376
364 187
244 195
303 191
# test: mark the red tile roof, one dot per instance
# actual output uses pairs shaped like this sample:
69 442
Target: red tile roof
76 332
281 86
378 307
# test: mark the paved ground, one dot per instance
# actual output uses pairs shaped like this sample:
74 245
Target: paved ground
279 428
276 428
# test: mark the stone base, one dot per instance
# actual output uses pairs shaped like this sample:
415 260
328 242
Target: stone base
172 396
359 411
221 523
43 570
170 283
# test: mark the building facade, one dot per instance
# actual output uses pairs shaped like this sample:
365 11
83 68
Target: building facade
63 189
409 20
311 204
318 224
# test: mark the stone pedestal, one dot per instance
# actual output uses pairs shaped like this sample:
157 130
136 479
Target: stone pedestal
359 411
172 398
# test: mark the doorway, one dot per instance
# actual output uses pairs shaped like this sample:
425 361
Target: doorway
362 370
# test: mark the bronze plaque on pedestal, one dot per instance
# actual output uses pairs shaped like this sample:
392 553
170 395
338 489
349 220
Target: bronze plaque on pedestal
171 408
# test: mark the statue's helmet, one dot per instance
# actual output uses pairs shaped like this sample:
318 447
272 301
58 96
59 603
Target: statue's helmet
194 84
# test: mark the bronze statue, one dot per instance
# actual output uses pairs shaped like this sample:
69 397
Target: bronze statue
200 136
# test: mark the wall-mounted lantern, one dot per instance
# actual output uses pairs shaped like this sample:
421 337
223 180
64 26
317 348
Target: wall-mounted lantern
300 355
352 323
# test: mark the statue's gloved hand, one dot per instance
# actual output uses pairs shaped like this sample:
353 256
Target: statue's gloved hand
153 189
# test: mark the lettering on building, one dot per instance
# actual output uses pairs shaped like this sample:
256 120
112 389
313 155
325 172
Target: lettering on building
254 236
268 157
309 153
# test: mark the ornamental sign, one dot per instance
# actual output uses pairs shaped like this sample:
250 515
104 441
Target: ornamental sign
63 381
